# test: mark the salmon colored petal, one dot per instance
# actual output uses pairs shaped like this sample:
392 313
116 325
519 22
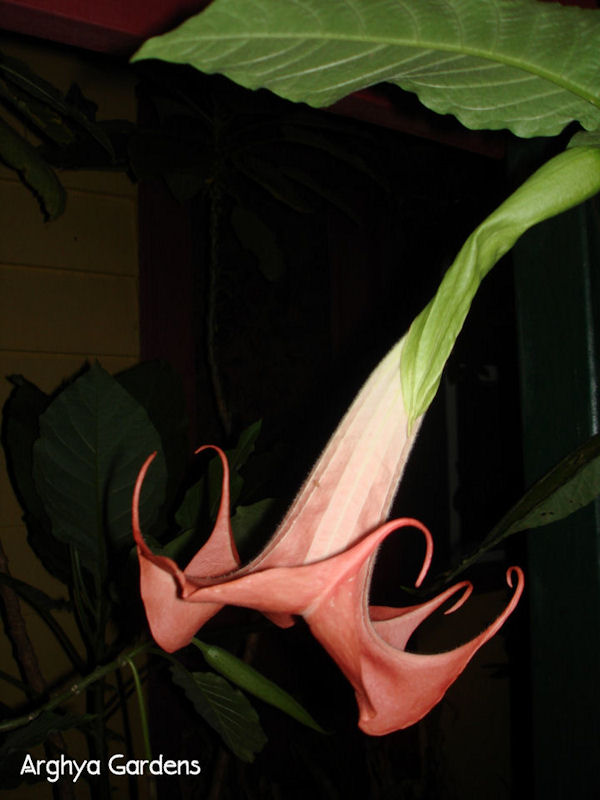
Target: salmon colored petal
296 590
173 620
164 587
219 555
351 488
394 689
396 625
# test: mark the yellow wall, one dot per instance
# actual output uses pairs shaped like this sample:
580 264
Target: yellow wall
68 292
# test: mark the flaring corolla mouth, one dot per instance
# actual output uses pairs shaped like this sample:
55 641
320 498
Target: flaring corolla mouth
319 565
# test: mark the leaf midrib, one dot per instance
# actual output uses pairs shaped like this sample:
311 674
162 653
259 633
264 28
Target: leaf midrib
425 45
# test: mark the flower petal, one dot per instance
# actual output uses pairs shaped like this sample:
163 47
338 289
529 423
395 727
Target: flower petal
347 494
164 587
394 689
219 555
350 489
297 590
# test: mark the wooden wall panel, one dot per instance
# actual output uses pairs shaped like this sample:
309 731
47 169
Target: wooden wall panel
56 311
68 293
97 233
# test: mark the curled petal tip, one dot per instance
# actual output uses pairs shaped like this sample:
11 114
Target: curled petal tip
428 547
511 572
135 503
209 447
468 590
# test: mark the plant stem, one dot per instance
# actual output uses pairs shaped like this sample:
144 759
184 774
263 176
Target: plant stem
27 661
96 738
125 690
20 588
211 319
23 687
142 708
76 688
122 701
15 627
152 791
81 599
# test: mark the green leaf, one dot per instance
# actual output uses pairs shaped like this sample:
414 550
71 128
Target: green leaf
570 485
585 139
260 240
323 189
225 709
40 728
185 184
38 114
157 387
17 153
247 519
531 67
245 446
565 181
176 546
328 137
35 597
249 679
236 458
20 76
22 687
272 181
16 744
20 429
43 604
94 439
188 513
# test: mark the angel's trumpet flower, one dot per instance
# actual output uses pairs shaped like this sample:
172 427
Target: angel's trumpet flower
319 565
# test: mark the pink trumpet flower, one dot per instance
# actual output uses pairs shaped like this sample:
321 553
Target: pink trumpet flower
319 565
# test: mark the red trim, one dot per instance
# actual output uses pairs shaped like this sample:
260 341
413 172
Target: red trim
110 26
400 111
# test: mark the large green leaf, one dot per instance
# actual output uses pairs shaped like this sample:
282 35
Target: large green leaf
565 181
225 709
94 439
20 429
529 66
